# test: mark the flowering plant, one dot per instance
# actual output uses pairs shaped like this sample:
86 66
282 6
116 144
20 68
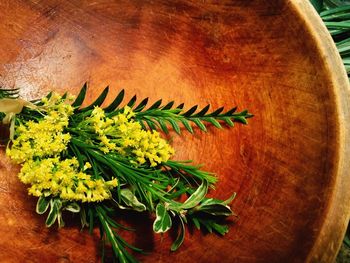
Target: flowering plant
94 161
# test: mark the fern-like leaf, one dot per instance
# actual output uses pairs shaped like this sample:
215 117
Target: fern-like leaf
159 117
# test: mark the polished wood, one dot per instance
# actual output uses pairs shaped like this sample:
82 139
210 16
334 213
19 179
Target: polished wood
289 166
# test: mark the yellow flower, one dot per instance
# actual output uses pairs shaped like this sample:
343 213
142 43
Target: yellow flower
62 178
123 134
87 166
45 138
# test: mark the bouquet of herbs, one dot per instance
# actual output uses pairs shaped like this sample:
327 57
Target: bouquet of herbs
94 161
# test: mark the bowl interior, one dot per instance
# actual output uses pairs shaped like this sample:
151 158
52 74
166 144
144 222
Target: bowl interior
256 55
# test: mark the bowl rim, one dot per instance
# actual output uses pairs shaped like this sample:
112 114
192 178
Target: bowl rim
337 213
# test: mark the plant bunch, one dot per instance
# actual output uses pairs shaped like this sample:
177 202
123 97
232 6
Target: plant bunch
95 161
336 16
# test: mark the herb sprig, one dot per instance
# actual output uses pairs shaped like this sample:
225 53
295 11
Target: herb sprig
113 168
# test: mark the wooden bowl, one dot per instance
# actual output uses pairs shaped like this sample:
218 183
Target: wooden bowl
289 166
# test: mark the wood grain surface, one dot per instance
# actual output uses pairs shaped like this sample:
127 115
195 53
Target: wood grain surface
288 166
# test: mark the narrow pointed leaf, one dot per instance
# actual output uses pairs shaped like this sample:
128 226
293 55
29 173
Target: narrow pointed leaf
240 119
42 205
131 201
142 105
99 100
64 96
81 96
215 209
156 105
214 122
72 207
180 106
163 126
228 121
168 106
231 111
197 196
55 206
203 111
151 124
175 126
216 112
187 125
199 124
131 103
181 236
190 111
116 102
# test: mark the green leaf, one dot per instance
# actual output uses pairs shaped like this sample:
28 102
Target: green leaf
196 223
175 126
168 106
81 96
197 196
220 229
228 121
60 220
117 243
216 112
42 205
334 10
214 122
132 101
48 96
215 209
190 111
116 102
241 119
142 104
210 201
72 207
187 125
211 225
131 201
199 124
163 222
83 218
99 100
181 236
163 126
151 124
318 4
203 111
156 105
180 106
64 96
55 206
231 111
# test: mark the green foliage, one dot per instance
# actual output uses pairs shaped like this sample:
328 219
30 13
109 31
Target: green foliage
152 189
163 222
336 16
141 188
8 93
161 117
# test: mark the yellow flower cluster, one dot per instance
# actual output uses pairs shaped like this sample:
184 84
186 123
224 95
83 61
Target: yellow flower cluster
37 146
51 176
43 138
123 134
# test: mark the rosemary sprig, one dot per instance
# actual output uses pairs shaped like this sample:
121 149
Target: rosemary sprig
159 117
